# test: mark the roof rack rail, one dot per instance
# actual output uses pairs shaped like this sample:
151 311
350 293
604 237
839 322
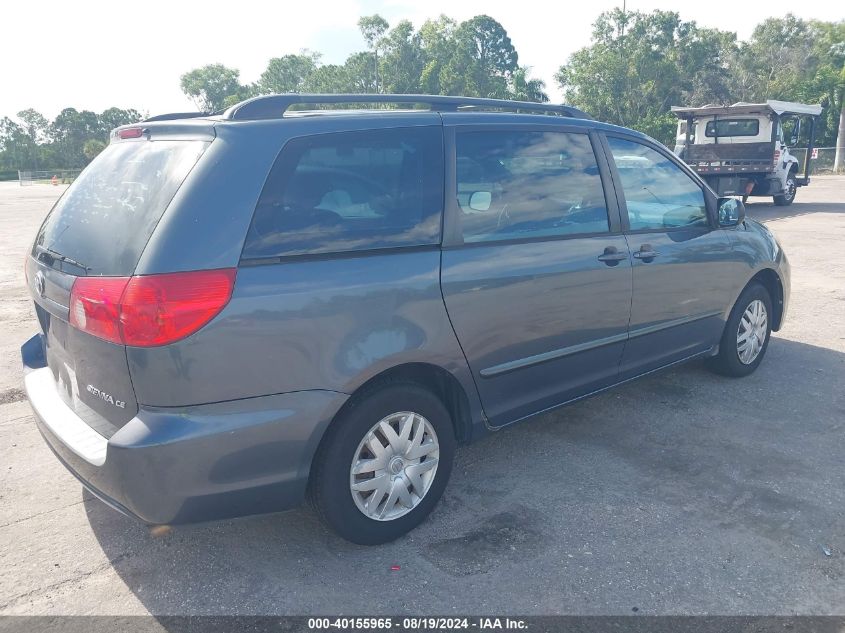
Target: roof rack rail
176 115
275 106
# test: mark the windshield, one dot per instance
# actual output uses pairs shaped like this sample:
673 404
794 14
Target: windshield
102 223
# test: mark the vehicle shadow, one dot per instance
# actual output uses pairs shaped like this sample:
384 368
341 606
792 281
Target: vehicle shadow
765 211
652 478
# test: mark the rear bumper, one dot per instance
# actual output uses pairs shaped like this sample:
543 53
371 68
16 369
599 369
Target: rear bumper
189 464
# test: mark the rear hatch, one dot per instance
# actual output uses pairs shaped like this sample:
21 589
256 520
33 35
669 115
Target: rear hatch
98 230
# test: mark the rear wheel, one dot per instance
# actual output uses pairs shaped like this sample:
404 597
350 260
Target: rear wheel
384 465
789 192
747 333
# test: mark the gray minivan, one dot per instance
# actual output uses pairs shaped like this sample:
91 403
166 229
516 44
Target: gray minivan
243 309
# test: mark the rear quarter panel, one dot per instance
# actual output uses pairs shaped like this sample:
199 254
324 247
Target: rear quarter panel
326 323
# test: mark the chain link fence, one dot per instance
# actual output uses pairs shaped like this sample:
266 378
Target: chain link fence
822 159
47 177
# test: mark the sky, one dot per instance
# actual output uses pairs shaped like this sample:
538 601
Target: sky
94 54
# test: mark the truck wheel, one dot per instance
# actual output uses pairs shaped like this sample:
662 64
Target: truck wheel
384 465
788 195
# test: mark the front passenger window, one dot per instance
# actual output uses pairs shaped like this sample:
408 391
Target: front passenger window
658 193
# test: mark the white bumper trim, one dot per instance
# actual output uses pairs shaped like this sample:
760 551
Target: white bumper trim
61 420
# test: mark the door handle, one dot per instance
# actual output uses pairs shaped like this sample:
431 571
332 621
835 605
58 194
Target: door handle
646 253
612 256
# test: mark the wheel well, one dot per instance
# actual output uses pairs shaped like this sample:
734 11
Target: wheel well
771 282
433 378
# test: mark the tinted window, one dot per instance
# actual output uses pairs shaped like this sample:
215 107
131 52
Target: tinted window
351 191
528 184
658 193
732 127
104 219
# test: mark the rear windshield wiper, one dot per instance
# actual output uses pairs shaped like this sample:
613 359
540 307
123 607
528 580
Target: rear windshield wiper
54 256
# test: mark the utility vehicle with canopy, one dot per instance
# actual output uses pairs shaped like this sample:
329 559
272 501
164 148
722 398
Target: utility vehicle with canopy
742 150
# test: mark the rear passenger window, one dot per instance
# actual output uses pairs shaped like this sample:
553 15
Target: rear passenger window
351 191
658 194
528 184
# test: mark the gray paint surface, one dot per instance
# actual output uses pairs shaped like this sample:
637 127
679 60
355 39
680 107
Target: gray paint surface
512 302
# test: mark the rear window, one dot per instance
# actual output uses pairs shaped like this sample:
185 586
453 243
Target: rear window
351 191
732 127
102 223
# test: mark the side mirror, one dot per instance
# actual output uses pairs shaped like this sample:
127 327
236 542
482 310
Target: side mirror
731 211
480 201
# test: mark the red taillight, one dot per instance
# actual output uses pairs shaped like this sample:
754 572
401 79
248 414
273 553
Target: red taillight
95 306
149 310
776 158
131 132
160 309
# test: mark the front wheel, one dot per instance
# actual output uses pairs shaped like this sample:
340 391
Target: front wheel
789 192
747 333
384 464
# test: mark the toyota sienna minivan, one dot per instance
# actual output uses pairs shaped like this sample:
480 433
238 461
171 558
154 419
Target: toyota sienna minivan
241 310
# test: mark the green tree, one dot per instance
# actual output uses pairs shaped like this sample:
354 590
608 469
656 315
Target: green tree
29 138
402 60
436 45
35 124
115 117
639 65
482 62
373 28
212 87
69 131
358 74
92 147
795 60
289 73
16 147
523 88
776 60
829 40
330 79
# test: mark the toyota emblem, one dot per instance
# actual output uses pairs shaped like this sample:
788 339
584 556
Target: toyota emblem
39 283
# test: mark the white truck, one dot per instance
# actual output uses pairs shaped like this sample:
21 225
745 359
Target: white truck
740 150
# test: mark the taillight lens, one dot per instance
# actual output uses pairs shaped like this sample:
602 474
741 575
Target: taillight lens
95 306
160 309
776 158
149 310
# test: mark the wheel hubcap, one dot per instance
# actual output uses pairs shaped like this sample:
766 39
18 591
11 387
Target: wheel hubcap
394 466
752 331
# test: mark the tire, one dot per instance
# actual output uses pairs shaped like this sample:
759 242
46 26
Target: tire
729 361
331 486
789 195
